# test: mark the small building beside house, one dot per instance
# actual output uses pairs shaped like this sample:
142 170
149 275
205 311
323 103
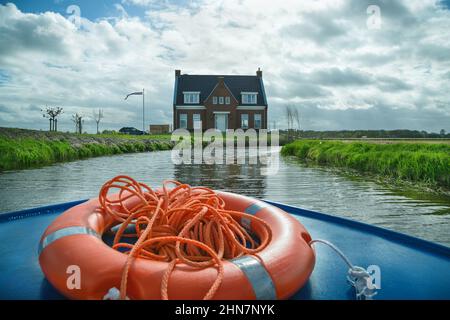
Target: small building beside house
219 101
159 128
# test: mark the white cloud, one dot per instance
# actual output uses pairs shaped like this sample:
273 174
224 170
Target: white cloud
142 3
318 55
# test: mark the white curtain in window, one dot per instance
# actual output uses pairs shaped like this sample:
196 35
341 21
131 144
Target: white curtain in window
249 98
191 98
197 121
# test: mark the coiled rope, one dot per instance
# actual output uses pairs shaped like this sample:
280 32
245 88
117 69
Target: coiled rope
182 224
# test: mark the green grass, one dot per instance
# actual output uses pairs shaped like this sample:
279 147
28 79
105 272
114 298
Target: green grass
28 151
128 137
416 162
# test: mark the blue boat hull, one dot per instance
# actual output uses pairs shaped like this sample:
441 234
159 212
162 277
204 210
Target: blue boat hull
410 268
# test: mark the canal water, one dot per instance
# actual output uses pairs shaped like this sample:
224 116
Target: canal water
314 188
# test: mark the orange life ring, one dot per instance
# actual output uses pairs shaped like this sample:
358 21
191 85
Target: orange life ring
75 239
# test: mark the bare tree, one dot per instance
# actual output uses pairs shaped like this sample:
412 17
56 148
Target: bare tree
98 116
290 120
274 125
52 114
78 120
296 117
292 114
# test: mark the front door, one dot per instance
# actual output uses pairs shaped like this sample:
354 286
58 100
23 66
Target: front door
221 121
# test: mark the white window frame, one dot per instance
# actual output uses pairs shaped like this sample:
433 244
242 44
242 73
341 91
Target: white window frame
183 117
227 100
214 100
249 97
244 117
191 97
197 120
221 100
259 115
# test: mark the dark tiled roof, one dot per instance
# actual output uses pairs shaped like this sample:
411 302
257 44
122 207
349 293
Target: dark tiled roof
206 83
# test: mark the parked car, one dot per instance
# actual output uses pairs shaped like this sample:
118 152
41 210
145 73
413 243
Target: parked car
131 130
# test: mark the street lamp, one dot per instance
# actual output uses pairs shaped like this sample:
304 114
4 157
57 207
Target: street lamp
140 93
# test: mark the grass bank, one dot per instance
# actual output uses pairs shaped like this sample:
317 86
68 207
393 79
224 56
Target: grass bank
21 149
415 162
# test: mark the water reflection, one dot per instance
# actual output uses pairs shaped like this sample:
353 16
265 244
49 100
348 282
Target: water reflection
314 188
244 179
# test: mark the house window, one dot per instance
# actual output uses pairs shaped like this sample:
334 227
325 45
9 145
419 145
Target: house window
258 121
197 121
183 120
191 97
214 100
249 97
221 121
220 100
244 121
227 100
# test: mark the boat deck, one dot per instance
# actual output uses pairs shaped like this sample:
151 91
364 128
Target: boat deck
410 268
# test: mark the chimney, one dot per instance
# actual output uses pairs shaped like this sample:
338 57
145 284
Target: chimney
259 73
220 79
177 73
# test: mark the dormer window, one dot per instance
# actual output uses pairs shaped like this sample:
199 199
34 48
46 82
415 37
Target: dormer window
249 97
191 97
227 100
220 100
214 100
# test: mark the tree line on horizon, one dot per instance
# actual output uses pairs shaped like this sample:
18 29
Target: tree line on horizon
371 134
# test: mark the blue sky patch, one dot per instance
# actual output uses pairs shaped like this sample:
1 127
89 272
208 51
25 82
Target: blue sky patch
4 77
92 10
446 3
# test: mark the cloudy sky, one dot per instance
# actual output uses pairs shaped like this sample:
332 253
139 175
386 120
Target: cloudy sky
343 65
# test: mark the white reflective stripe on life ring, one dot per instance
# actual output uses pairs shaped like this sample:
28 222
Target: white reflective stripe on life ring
61 233
252 209
258 276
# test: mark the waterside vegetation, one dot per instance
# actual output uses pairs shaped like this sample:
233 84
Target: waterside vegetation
21 149
425 163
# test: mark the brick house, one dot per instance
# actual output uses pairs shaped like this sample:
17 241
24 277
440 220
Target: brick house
218 101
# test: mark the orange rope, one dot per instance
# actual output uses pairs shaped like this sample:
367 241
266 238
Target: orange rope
184 224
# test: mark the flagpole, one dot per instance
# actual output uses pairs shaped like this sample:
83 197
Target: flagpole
143 106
